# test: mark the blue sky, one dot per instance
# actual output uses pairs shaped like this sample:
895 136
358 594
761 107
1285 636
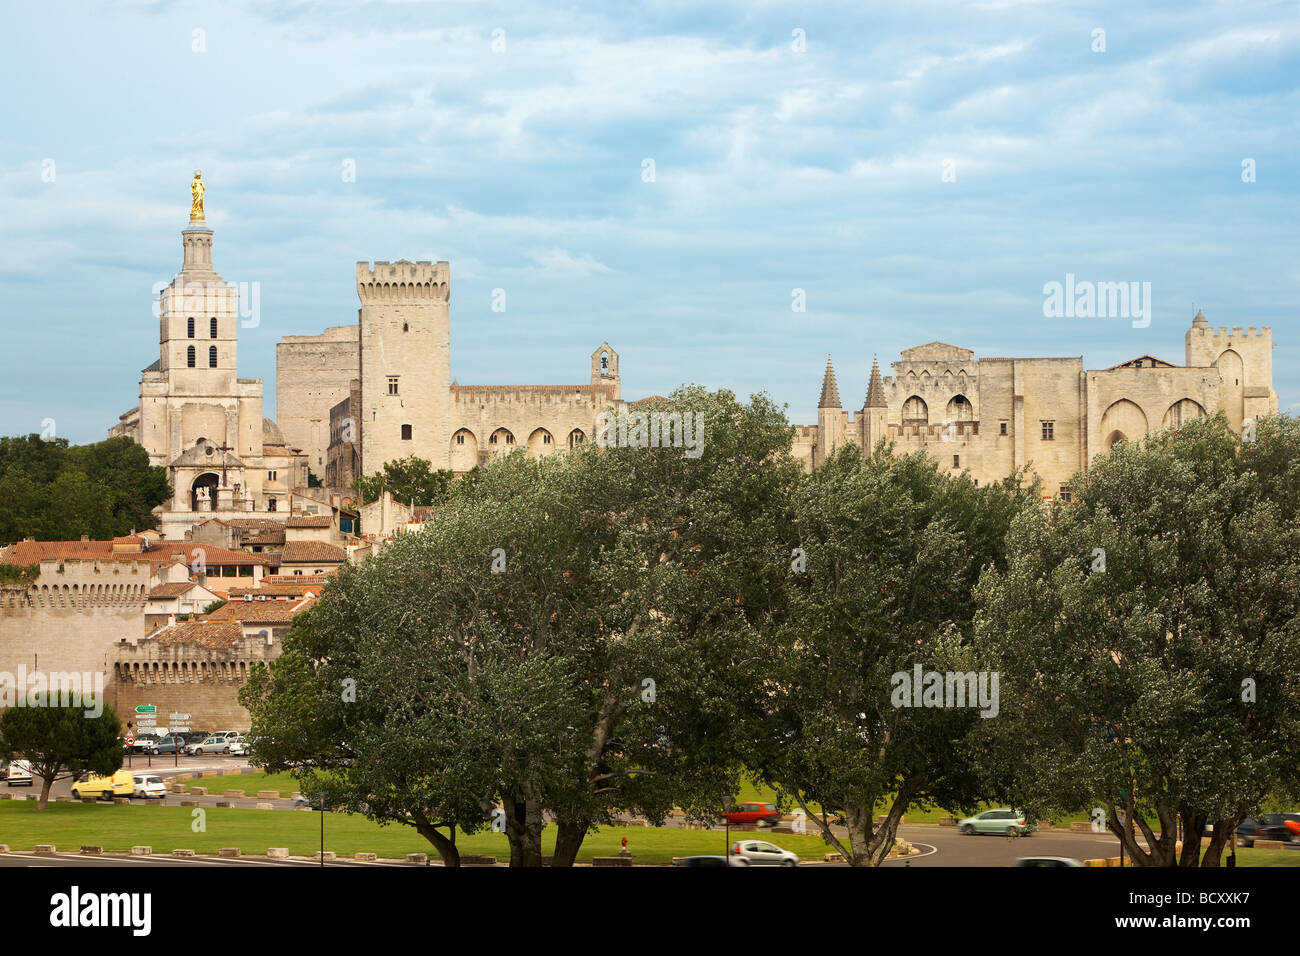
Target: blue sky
775 169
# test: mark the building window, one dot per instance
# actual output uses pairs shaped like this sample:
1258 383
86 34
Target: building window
212 357
1002 429
191 326
270 504
546 439
270 475
492 439
406 327
1049 431
1064 494
212 334
956 461
189 357
406 433
392 385
460 438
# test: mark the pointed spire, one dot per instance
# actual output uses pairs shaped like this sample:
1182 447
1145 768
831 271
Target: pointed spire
830 391
875 388
1200 322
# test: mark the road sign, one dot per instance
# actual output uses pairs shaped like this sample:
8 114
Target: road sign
181 717
130 740
146 709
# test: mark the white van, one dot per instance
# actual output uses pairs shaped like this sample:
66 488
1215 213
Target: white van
16 773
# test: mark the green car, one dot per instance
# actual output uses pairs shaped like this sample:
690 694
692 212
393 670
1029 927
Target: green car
1004 822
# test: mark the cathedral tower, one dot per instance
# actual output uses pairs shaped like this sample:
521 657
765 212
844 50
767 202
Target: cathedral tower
875 410
830 417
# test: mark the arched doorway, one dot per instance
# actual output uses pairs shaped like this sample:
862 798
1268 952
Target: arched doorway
207 480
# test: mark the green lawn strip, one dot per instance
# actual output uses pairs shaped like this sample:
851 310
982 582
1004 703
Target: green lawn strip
250 783
117 828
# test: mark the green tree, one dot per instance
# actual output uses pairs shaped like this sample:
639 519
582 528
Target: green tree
61 741
571 633
1147 636
412 480
889 551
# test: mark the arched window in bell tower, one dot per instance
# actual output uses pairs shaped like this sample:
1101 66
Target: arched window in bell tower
191 327
189 355
604 363
212 357
212 334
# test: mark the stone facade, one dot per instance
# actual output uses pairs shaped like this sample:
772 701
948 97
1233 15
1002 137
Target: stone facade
312 375
992 416
73 615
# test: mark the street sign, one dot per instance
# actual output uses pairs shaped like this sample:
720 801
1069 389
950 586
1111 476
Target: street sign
180 717
130 740
146 709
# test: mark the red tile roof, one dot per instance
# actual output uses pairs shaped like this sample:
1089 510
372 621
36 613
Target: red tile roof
315 552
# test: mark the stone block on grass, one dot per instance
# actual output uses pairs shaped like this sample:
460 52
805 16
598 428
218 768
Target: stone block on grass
122 801
611 861
477 859
1080 826
182 853
90 850
141 850
4 847
278 853
45 848
329 855
199 791
266 806
233 793
417 857
947 821
268 794
1269 844
189 803
224 804
231 852
365 857
176 787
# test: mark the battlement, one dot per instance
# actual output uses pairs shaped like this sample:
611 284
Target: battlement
112 584
403 281
1224 333
532 394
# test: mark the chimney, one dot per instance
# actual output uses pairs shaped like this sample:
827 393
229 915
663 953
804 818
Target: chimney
85 537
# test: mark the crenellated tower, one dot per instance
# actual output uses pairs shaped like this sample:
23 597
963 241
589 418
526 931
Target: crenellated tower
1244 360
405 361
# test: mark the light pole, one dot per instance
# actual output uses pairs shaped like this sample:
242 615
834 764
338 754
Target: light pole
726 819
321 797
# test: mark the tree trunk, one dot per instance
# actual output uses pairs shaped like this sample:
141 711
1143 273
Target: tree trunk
859 820
445 846
524 831
570 833
46 784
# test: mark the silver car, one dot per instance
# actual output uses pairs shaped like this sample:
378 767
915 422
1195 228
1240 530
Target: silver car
760 853
212 745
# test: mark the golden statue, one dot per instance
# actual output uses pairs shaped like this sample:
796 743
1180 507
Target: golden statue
197 189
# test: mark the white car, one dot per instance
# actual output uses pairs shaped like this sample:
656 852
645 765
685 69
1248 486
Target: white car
212 745
759 853
148 785
17 773
239 746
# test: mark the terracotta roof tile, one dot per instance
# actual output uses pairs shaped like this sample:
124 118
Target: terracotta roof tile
316 551
309 521
203 633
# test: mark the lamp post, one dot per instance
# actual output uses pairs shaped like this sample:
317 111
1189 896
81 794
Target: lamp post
726 819
321 798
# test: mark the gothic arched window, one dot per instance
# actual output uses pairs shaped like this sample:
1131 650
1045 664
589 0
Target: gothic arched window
213 333
191 326
212 357
189 356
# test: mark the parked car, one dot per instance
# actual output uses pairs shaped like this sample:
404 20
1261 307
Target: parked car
16 773
1048 861
211 745
699 861
148 785
759 853
120 784
168 745
239 746
762 814
1001 821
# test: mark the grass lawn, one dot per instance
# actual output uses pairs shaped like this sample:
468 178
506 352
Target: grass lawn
117 828
250 783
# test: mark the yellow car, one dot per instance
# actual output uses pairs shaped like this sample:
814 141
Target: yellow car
121 784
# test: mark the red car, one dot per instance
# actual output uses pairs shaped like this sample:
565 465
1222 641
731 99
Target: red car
763 814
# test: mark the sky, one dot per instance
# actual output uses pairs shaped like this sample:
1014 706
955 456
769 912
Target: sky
724 191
